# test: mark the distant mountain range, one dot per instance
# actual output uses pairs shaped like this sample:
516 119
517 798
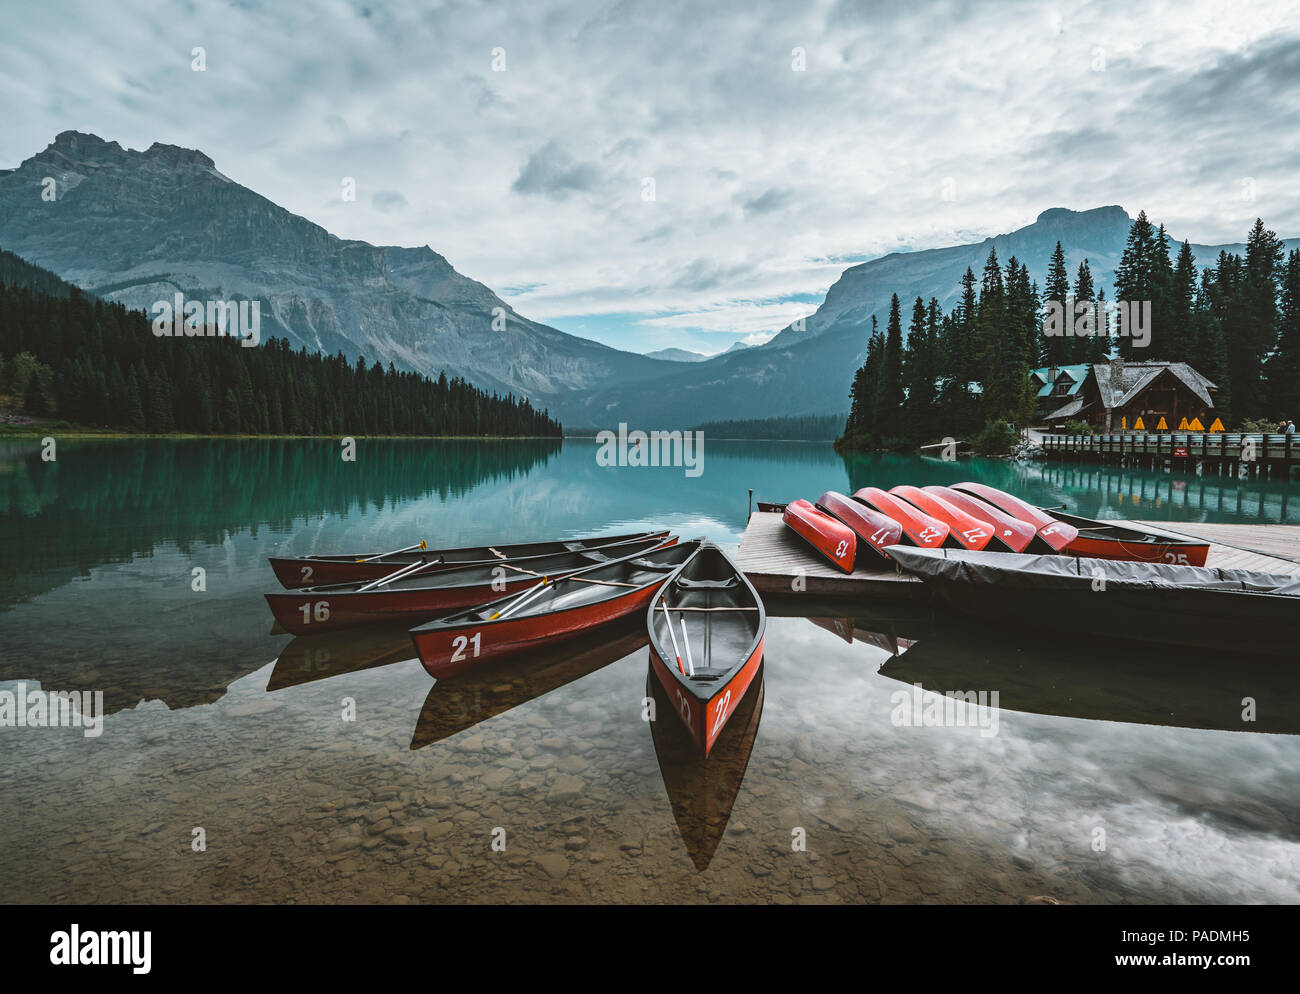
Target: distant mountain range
676 355
685 355
139 226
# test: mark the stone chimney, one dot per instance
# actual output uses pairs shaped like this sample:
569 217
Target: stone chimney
1116 380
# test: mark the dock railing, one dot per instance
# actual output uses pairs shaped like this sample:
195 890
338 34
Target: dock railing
1253 449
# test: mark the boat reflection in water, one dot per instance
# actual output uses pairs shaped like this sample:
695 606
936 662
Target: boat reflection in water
317 657
457 703
1147 685
703 791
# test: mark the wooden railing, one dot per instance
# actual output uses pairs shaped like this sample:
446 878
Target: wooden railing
1256 447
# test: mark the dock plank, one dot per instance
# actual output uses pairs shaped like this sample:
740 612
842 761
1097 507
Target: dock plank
777 562
1266 539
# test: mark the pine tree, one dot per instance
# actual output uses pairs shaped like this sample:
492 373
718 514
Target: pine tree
1084 290
230 423
918 375
135 419
889 386
1056 350
1209 355
1258 330
1134 279
990 341
1182 299
1284 366
1162 291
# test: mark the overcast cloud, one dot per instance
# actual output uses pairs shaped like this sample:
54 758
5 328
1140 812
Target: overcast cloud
767 181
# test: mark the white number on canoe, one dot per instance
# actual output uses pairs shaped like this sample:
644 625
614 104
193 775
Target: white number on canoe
684 707
460 643
842 549
306 574
928 534
1051 530
720 715
973 535
878 536
1178 559
320 611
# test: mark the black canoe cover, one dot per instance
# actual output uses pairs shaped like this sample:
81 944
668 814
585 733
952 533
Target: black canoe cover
1069 572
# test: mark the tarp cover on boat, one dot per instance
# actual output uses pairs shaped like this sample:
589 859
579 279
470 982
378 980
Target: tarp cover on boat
1064 572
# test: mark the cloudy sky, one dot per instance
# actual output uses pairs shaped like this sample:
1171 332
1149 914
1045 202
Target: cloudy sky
655 174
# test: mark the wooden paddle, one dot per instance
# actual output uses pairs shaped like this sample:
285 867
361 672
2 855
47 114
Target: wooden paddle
397 552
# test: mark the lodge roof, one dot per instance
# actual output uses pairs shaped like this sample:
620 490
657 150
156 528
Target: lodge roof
1134 377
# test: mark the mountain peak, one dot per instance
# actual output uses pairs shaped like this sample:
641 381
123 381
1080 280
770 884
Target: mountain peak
175 155
81 142
1057 214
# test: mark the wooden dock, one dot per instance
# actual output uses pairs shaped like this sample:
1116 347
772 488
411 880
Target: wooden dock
1266 548
1253 455
778 563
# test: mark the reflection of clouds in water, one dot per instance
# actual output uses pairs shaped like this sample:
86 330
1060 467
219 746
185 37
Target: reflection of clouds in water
1201 815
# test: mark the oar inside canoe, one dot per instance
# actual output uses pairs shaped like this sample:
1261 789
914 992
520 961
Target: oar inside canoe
546 612
418 594
718 621
316 571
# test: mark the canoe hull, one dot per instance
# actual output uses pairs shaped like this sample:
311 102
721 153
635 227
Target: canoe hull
1015 534
965 531
919 528
706 718
875 531
308 613
452 650
293 573
831 539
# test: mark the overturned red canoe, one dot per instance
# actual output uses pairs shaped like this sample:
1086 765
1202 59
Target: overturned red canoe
1055 533
1015 534
964 530
419 596
547 612
833 540
1093 538
920 528
875 531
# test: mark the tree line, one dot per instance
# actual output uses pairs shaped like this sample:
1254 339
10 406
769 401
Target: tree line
965 373
76 357
807 428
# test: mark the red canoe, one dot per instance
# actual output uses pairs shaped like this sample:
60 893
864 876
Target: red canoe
546 612
833 540
316 571
920 528
964 530
1015 534
1078 536
1055 533
875 531
706 642
420 596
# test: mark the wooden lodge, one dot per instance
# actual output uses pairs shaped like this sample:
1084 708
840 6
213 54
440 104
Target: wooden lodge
1121 396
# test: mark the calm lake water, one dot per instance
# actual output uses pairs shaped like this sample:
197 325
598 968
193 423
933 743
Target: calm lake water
1105 776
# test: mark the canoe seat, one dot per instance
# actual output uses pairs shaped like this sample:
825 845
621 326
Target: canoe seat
725 584
647 564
